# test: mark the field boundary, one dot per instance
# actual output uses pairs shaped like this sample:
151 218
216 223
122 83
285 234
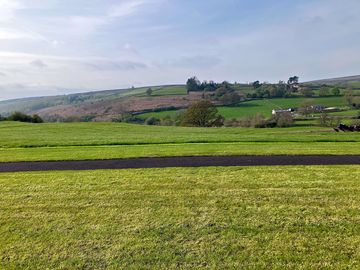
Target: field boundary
167 162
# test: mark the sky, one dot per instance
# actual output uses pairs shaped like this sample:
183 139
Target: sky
54 47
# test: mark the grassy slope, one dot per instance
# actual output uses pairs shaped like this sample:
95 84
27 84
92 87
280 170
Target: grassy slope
219 218
92 134
33 104
72 141
263 107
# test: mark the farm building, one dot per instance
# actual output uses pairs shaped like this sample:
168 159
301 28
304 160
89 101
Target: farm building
277 112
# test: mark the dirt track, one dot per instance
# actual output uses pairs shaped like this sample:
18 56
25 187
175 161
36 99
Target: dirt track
178 162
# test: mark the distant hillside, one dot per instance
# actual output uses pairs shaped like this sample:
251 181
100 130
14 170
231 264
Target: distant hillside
102 104
109 104
350 80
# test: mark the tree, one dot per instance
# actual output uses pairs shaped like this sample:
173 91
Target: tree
335 91
151 121
324 91
22 117
221 91
37 119
306 91
284 120
256 84
193 84
356 102
19 116
348 96
202 114
149 91
230 98
293 80
306 107
293 84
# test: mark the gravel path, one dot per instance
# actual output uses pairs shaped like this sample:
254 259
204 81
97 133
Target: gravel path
166 162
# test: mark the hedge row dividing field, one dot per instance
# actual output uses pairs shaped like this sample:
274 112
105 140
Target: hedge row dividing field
206 218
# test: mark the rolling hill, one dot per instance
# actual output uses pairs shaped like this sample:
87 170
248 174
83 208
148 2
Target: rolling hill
349 80
108 104
102 104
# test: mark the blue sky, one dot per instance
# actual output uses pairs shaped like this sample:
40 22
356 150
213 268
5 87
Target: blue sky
61 46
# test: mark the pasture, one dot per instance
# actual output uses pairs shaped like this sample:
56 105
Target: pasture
248 218
263 107
75 141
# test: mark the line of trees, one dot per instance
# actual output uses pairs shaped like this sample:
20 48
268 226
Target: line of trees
223 92
261 90
22 117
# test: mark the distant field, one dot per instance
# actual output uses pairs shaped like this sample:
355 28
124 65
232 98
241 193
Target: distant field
217 218
74 141
169 91
350 113
263 107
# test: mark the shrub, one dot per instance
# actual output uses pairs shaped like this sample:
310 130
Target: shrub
37 119
151 121
128 118
284 120
22 117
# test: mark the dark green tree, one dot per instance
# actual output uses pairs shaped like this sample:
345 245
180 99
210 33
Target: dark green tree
149 91
37 119
335 91
202 114
256 84
193 84
293 80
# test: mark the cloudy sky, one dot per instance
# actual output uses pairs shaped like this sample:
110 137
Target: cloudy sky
50 47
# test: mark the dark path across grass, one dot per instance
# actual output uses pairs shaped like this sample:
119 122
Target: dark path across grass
135 163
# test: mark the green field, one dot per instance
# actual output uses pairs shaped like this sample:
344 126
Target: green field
264 107
74 141
170 91
349 113
208 218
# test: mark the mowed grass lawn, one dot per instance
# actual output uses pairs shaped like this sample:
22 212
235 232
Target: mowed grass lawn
74 141
207 218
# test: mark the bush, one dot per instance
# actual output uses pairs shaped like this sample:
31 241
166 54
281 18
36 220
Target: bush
128 118
37 119
326 120
151 121
284 120
22 117
259 121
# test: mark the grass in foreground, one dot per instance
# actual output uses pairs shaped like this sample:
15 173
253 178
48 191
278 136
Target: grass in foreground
172 150
74 141
248 218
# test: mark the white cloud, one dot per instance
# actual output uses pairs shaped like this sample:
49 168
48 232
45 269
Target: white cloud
85 24
8 9
126 8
